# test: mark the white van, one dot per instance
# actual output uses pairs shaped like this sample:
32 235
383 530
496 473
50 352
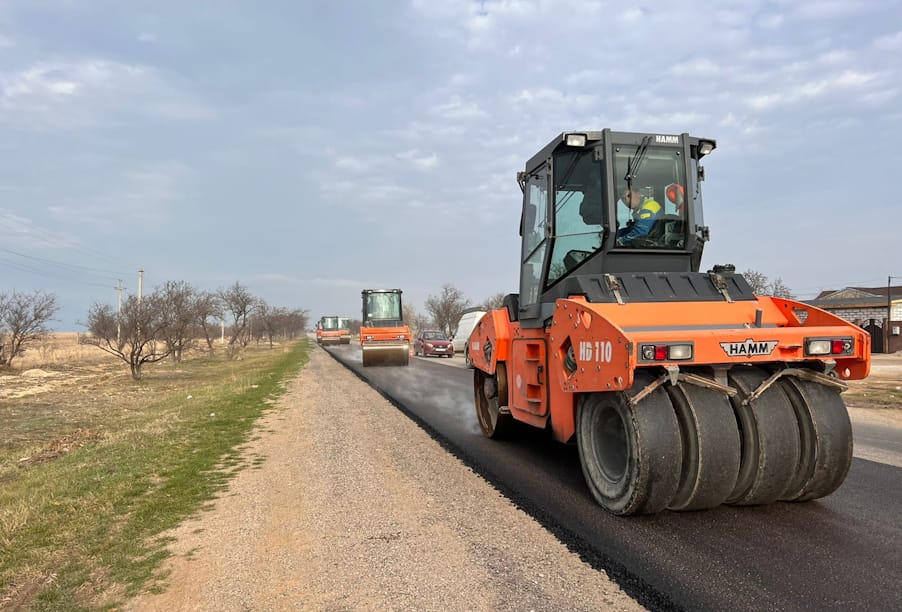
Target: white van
461 341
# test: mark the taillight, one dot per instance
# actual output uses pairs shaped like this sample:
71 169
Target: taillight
665 352
829 346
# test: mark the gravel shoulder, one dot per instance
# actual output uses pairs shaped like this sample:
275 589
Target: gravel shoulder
350 505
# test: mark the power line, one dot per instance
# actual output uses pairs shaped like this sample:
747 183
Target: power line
21 227
111 274
56 274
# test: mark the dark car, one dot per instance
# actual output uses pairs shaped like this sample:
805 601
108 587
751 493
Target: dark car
432 342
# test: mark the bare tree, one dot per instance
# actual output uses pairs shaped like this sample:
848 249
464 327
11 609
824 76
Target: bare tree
23 319
273 323
266 321
178 300
757 281
447 307
414 319
493 302
779 289
141 323
207 313
761 285
239 304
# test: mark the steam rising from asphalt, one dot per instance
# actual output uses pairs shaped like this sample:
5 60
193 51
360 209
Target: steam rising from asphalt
455 402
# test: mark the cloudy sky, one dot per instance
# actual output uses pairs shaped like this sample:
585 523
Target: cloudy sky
313 149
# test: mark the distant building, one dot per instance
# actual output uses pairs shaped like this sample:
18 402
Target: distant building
868 307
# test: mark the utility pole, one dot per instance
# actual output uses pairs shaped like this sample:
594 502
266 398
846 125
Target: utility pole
140 284
889 311
119 288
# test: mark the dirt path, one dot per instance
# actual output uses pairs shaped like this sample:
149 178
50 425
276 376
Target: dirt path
355 507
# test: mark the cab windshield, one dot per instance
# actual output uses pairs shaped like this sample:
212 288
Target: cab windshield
330 323
651 197
383 307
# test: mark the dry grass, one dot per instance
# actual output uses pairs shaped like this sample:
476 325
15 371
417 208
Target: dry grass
60 349
94 464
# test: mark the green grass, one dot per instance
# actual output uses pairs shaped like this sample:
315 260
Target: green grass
82 530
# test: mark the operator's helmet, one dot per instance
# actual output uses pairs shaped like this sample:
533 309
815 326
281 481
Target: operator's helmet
676 193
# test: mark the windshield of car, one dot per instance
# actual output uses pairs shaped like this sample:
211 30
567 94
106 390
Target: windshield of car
433 335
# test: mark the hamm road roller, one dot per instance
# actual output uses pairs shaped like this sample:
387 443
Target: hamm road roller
681 389
384 337
329 331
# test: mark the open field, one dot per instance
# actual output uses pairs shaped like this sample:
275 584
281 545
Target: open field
94 466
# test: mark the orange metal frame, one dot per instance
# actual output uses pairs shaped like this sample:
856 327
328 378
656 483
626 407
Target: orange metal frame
384 335
330 336
540 387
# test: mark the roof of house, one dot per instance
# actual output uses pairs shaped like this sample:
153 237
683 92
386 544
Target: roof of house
856 297
859 292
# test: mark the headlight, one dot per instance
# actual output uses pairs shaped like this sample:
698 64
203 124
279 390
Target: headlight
575 140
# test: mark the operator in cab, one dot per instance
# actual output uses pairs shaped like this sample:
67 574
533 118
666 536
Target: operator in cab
644 212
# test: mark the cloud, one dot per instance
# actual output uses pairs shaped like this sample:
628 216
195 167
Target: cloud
139 197
547 96
419 160
418 130
831 9
835 56
354 164
846 81
455 108
6 42
772 22
702 67
147 37
632 15
80 94
16 230
891 42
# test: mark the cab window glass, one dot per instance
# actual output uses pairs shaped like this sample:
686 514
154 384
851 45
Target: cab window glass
535 212
578 211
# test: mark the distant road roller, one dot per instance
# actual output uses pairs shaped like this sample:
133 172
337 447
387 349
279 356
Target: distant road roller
681 389
344 329
384 337
329 331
